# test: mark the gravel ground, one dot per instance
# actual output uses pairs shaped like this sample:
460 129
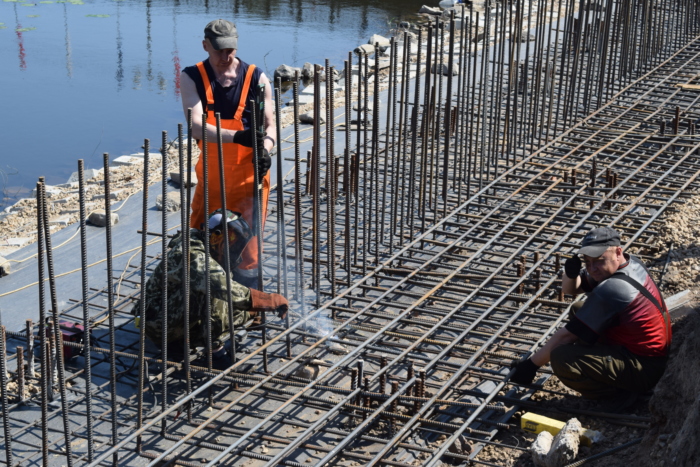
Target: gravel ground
673 408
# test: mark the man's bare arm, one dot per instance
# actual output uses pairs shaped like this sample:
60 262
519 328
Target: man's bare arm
561 337
270 127
571 286
190 99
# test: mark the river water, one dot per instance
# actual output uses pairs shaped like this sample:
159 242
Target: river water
82 77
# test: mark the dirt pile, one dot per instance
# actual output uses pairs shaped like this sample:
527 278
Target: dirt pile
678 235
675 406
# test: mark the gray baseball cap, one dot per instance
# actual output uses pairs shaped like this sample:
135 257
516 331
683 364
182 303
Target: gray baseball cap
222 34
598 240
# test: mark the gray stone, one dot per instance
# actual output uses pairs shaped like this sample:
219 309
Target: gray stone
62 221
286 72
305 99
5 268
337 348
565 444
356 106
127 160
87 173
307 71
461 446
365 49
175 178
430 10
172 203
382 41
540 448
51 191
18 241
307 372
65 200
308 117
99 218
445 69
112 195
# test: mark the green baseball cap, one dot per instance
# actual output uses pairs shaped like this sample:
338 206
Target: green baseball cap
222 34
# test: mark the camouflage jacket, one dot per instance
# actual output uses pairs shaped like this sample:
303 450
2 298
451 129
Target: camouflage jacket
240 296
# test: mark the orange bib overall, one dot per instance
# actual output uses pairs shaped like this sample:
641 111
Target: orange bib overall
238 174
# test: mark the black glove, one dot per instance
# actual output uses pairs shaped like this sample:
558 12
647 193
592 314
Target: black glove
525 372
572 267
264 163
244 138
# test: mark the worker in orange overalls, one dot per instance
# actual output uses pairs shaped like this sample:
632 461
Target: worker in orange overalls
225 84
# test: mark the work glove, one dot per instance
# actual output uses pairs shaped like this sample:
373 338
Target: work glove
525 371
261 301
572 267
244 138
264 163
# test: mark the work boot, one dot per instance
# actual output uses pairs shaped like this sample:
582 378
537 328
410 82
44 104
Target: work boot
220 359
620 402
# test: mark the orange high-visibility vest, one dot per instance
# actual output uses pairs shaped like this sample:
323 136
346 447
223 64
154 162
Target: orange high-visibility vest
238 173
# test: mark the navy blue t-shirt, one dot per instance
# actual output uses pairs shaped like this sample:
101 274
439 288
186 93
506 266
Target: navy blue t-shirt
226 99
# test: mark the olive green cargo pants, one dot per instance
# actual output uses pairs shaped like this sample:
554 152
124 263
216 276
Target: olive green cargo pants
600 371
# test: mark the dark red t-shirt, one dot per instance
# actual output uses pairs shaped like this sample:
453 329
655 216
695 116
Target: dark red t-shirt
616 313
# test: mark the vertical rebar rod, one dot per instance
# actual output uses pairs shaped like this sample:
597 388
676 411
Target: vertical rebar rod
142 297
186 257
204 156
86 311
448 120
29 329
227 259
256 117
110 308
3 394
45 379
331 174
281 221
316 189
57 329
346 167
164 289
298 236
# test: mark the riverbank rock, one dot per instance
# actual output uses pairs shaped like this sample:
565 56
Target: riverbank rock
565 444
286 72
381 41
87 173
175 178
308 117
540 448
172 202
364 49
435 11
99 218
445 69
4 267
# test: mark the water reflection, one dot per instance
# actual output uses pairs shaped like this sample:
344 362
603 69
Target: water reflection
119 75
20 42
69 50
145 63
176 53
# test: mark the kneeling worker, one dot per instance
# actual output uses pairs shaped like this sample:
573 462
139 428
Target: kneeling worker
616 345
246 302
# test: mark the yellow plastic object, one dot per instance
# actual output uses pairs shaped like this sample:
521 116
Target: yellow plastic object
137 323
534 423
